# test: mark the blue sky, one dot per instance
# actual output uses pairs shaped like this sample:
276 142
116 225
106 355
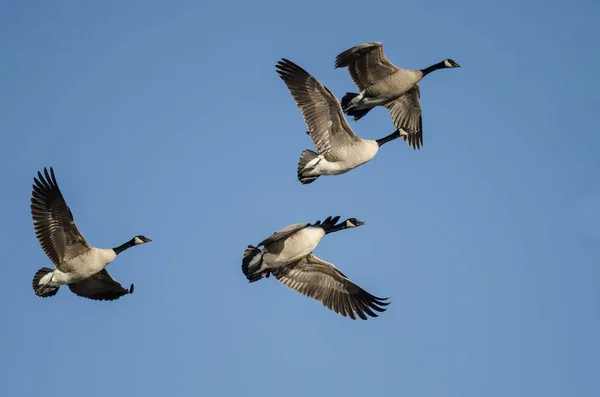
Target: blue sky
168 119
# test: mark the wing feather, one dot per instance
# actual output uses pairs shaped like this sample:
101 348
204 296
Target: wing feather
406 115
101 286
367 64
322 281
325 121
53 221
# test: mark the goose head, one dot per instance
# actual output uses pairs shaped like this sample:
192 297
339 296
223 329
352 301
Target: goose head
330 227
139 239
352 222
445 64
449 63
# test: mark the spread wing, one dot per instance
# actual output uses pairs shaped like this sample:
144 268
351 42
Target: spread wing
53 221
322 112
366 63
101 286
283 233
321 280
406 115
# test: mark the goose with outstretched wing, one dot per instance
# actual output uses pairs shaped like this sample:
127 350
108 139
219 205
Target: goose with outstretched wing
76 263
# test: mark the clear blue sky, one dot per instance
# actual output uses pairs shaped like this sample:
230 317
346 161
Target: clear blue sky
168 119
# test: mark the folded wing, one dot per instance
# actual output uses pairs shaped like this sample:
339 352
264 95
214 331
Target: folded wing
283 233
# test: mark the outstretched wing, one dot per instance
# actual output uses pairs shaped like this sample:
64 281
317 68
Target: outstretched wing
53 221
322 112
406 115
321 280
366 63
101 286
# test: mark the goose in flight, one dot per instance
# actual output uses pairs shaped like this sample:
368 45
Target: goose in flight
288 255
76 263
339 149
381 83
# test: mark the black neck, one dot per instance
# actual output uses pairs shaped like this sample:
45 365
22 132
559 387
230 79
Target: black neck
391 137
336 228
124 246
439 65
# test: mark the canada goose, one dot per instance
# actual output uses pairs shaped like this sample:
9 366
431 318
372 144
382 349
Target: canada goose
381 83
77 264
339 149
288 255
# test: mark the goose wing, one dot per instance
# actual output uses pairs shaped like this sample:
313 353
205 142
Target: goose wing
406 115
321 280
283 233
101 287
366 63
322 112
53 221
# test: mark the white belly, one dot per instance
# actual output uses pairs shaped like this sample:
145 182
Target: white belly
295 247
61 278
344 159
84 266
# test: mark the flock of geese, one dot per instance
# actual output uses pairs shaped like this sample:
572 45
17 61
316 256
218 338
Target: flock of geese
288 253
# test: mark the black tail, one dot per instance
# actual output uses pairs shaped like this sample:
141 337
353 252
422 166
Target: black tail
357 114
43 291
347 99
306 157
249 272
249 254
351 111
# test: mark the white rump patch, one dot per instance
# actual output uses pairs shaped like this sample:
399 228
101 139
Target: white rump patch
312 163
46 279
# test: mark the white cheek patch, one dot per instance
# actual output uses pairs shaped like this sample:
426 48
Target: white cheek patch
138 240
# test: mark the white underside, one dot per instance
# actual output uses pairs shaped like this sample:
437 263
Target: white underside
295 247
360 102
350 157
83 266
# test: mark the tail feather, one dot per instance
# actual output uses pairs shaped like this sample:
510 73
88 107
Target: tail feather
249 254
358 114
250 271
306 157
257 276
348 109
345 102
43 291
